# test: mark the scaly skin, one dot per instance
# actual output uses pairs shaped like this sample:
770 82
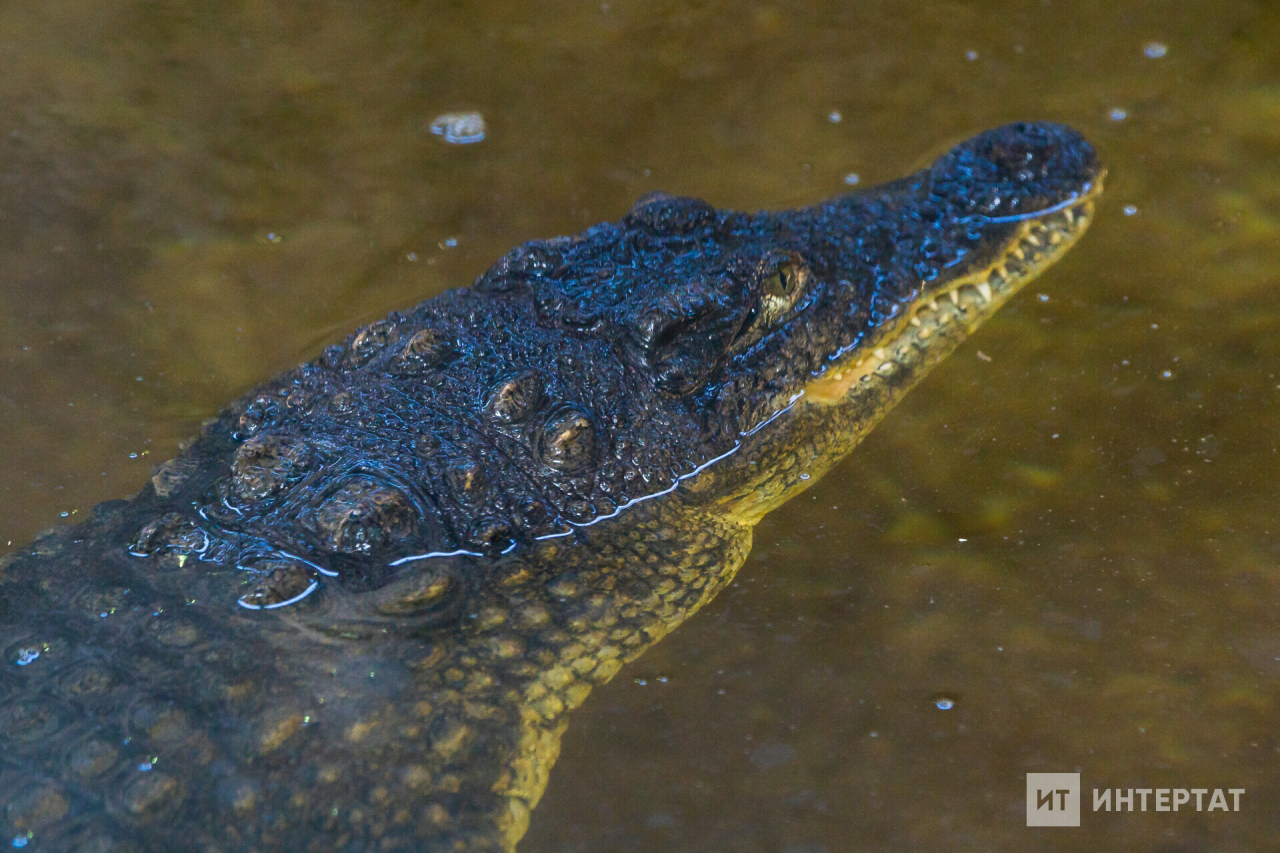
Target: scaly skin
356 612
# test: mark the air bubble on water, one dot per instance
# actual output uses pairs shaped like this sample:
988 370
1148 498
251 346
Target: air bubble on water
459 128
944 703
1130 209
852 178
27 656
21 840
804 476
1155 49
971 55
145 767
1167 374
834 117
1043 297
1118 114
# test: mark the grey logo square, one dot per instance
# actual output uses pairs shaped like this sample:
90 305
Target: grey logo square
1053 799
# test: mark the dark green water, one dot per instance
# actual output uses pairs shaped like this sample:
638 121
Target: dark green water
1069 529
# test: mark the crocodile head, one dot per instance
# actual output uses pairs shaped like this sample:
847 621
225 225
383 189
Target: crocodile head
585 373
581 375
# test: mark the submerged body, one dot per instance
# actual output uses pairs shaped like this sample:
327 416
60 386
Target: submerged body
355 613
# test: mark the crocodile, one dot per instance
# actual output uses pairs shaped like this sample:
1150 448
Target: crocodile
355 612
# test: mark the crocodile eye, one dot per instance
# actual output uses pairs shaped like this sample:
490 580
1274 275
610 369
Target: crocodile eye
781 291
782 285
783 282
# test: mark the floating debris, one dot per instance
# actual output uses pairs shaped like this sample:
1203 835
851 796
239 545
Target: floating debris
459 128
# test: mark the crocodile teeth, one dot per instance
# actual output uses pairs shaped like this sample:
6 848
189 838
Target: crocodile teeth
933 305
915 321
955 297
985 290
1019 254
1070 215
1033 239
879 354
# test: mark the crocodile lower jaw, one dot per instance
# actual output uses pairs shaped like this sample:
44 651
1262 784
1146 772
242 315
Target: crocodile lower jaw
962 306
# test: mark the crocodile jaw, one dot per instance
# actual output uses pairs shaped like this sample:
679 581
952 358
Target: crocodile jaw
830 415
919 340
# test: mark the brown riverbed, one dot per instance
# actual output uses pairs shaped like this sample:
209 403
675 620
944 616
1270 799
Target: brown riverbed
1069 531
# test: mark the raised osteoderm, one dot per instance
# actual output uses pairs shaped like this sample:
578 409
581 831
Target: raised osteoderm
355 613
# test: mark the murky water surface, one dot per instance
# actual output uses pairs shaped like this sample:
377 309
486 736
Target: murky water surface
1068 531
